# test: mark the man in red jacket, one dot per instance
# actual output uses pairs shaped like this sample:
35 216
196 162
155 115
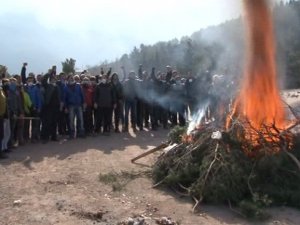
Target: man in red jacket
88 93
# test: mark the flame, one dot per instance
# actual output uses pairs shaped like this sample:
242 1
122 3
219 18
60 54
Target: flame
259 101
260 96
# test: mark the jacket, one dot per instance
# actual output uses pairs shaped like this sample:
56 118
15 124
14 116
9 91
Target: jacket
73 95
3 106
105 95
27 102
88 93
35 96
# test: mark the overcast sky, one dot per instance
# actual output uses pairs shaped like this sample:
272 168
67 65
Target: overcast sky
44 33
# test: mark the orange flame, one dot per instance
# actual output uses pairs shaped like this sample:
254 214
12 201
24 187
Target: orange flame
259 100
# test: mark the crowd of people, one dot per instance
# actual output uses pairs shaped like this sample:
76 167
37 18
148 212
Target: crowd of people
47 107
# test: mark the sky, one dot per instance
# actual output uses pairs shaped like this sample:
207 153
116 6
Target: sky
45 33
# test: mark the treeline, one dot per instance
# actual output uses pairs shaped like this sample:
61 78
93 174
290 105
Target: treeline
220 49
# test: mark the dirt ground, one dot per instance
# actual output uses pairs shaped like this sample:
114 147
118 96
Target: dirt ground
58 183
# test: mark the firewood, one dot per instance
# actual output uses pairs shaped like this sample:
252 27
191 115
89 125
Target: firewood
160 147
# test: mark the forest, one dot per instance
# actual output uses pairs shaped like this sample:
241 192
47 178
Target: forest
220 49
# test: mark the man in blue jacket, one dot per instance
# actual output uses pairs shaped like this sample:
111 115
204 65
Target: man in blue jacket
74 101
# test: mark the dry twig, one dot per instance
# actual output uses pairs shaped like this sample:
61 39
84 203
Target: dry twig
197 203
294 158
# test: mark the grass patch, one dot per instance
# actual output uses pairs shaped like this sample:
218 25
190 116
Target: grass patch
118 181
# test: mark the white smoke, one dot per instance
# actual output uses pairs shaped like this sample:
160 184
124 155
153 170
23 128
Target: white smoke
197 118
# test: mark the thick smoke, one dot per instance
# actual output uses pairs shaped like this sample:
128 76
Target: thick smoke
287 31
222 51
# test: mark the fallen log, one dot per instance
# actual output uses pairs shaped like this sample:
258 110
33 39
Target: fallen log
160 147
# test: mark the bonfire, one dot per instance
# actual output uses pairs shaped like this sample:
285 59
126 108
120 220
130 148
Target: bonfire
249 160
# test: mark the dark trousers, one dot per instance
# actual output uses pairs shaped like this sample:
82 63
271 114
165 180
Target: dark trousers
13 125
104 119
63 123
35 126
49 123
88 120
119 114
130 105
147 113
26 131
140 108
154 115
20 130
192 103
163 116
178 111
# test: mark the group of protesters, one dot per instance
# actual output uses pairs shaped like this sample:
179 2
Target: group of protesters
46 107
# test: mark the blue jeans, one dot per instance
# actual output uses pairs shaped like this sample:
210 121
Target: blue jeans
76 111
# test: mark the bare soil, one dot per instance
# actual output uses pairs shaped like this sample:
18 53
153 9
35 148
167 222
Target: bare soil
58 183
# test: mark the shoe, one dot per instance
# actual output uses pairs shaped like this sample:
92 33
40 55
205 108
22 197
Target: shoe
3 155
106 133
71 137
117 131
54 139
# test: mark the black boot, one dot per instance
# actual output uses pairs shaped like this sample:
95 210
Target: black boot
3 155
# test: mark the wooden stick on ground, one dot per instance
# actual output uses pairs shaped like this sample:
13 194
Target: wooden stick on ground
162 146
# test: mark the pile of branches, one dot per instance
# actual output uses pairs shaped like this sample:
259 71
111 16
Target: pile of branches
218 171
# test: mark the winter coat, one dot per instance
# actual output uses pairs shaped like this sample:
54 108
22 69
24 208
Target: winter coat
73 95
88 93
105 95
35 96
14 103
118 89
27 103
130 91
3 106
